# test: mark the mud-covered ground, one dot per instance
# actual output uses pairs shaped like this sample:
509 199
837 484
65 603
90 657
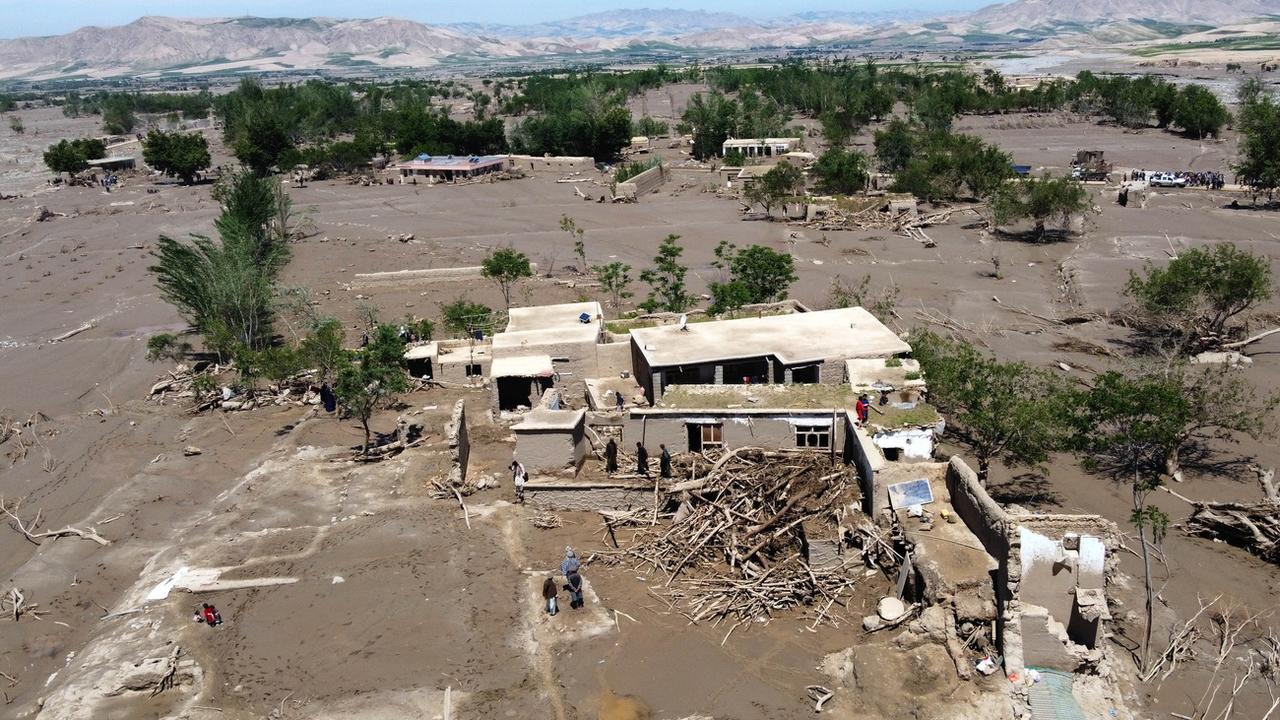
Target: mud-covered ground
386 599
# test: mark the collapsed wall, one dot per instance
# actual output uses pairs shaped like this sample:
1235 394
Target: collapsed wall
459 444
1052 576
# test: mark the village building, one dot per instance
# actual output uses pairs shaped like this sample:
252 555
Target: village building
760 147
449 168
543 346
805 347
113 164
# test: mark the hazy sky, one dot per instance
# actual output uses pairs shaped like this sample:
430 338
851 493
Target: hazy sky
20 18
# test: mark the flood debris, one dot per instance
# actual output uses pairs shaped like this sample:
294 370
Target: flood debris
735 545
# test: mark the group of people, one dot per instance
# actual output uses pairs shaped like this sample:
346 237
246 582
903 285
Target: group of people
208 615
571 569
1206 179
642 459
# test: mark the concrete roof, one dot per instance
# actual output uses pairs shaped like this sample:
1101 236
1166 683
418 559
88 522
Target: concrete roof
793 338
550 324
426 351
450 162
522 366
742 142
865 373
544 419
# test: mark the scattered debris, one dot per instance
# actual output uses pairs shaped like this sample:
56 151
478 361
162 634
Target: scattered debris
736 535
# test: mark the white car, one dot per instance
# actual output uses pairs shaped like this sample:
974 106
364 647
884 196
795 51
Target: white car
1167 180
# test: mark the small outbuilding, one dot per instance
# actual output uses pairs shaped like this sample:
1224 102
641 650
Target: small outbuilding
550 441
521 380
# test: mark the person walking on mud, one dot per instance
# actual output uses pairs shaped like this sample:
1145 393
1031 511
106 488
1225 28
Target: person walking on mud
664 461
642 459
549 592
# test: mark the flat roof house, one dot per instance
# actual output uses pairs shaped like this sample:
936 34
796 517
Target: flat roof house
806 347
449 168
541 344
759 147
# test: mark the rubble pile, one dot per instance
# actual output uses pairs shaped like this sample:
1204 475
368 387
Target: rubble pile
735 544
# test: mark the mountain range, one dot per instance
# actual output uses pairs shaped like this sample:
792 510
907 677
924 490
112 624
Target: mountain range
156 45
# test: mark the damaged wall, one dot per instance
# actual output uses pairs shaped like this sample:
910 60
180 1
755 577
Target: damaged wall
459 444
1051 597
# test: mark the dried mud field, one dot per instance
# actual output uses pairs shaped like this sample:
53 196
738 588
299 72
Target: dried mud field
348 591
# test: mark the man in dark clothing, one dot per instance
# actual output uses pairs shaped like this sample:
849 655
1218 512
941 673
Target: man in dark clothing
618 399
642 459
664 462
549 592
327 398
611 457
575 589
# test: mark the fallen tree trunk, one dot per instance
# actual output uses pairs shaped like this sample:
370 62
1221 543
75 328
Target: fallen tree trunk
1250 526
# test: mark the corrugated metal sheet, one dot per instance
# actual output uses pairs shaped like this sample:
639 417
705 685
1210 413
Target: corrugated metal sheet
1051 698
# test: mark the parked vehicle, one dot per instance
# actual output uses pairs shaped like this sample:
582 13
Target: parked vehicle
1167 180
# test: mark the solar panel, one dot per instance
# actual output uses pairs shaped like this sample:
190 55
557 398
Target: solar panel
911 492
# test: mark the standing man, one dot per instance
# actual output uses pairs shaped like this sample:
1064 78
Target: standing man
617 394
642 459
611 457
518 478
664 461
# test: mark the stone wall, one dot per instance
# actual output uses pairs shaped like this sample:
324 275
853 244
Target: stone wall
587 499
459 444
766 430
644 183
867 458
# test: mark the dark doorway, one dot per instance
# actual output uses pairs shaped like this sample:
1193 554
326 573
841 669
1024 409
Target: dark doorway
747 372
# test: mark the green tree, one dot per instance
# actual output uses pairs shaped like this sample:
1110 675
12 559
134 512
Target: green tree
262 142
226 289
118 117
666 279
1197 295
1040 199
781 182
714 120
324 350
506 267
1221 406
615 278
374 379
895 146
1006 411
16 125
1199 112
841 172
728 297
167 346
277 363
765 274
176 154
1259 126
1125 425
464 317
570 226
73 156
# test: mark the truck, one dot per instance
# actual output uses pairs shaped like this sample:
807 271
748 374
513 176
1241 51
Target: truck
1090 165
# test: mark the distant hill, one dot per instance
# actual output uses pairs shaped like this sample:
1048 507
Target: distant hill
1034 13
638 23
154 45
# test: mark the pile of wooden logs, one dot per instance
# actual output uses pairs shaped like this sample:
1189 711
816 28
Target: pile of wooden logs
736 537
1252 526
